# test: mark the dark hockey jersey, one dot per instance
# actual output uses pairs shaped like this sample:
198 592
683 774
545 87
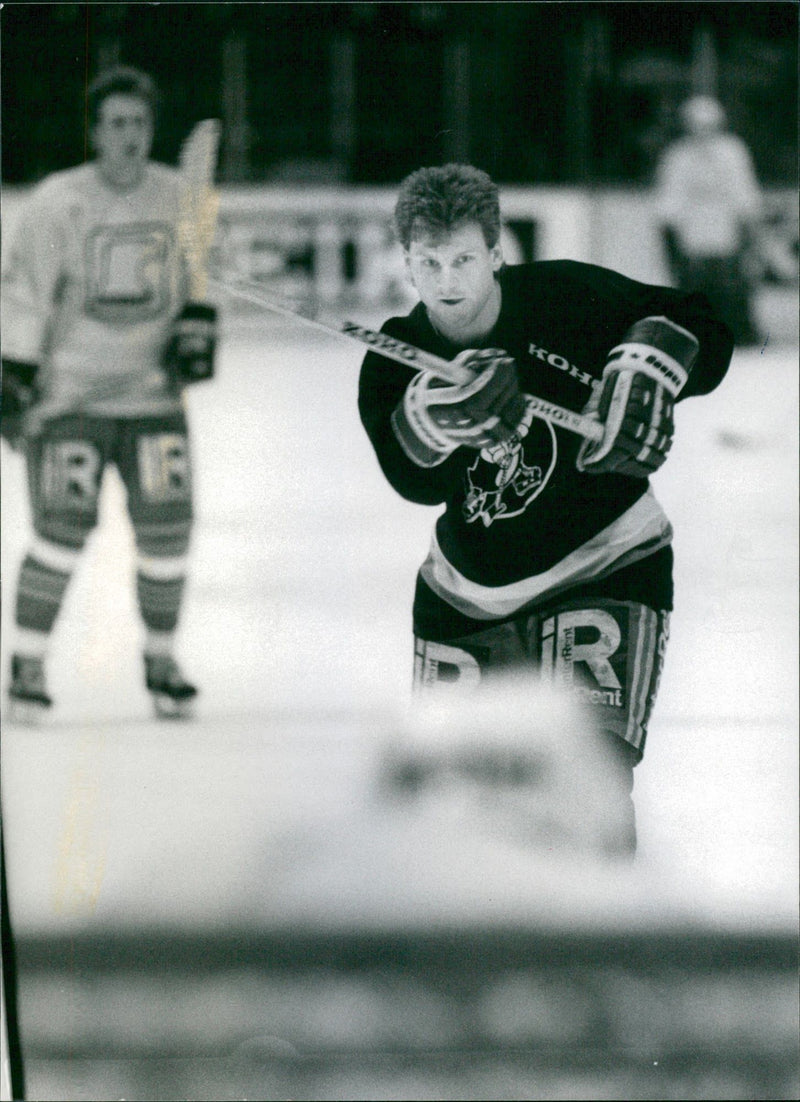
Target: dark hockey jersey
521 522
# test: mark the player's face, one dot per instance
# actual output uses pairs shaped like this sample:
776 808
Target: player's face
454 276
123 136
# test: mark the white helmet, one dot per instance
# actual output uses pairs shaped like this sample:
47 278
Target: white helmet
700 114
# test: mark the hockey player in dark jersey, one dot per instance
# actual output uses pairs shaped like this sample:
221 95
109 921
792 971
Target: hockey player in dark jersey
552 554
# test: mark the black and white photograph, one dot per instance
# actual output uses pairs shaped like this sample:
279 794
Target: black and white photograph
399 532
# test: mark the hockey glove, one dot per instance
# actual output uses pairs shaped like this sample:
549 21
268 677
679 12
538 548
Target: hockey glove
19 393
636 399
435 418
190 350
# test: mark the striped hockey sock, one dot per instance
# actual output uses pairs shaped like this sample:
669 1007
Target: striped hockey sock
43 579
159 600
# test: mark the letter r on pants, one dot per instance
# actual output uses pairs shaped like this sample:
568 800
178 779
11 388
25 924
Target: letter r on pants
560 651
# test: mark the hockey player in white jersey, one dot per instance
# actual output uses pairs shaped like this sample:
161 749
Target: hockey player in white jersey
100 335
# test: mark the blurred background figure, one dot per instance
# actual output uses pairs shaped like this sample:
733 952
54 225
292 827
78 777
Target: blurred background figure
710 210
100 336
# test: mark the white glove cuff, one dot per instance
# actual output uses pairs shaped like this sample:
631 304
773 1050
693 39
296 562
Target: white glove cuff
648 360
659 348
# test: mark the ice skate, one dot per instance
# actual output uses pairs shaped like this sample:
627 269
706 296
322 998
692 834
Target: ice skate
173 695
28 697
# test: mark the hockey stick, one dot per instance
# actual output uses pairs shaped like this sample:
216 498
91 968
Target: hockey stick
199 202
12 1069
408 354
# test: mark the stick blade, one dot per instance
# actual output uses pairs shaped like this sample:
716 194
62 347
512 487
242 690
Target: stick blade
197 165
198 156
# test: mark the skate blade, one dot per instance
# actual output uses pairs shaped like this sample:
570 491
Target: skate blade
26 713
167 708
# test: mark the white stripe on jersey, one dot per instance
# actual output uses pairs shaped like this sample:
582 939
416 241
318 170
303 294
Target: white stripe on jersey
642 529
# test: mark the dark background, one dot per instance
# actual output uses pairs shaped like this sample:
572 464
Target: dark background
563 93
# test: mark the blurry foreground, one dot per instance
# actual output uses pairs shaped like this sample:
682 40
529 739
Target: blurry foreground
412 918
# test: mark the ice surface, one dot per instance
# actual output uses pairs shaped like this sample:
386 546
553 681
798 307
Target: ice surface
297 630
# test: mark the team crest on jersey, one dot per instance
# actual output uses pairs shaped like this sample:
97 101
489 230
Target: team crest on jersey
505 479
127 274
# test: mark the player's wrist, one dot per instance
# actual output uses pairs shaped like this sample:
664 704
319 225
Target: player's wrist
423 442
656 347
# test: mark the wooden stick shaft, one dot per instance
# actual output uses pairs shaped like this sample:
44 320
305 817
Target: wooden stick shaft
394 349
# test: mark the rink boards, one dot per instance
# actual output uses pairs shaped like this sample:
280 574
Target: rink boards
455 1012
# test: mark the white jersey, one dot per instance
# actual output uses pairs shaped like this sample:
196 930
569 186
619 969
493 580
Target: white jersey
91 283
707 192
